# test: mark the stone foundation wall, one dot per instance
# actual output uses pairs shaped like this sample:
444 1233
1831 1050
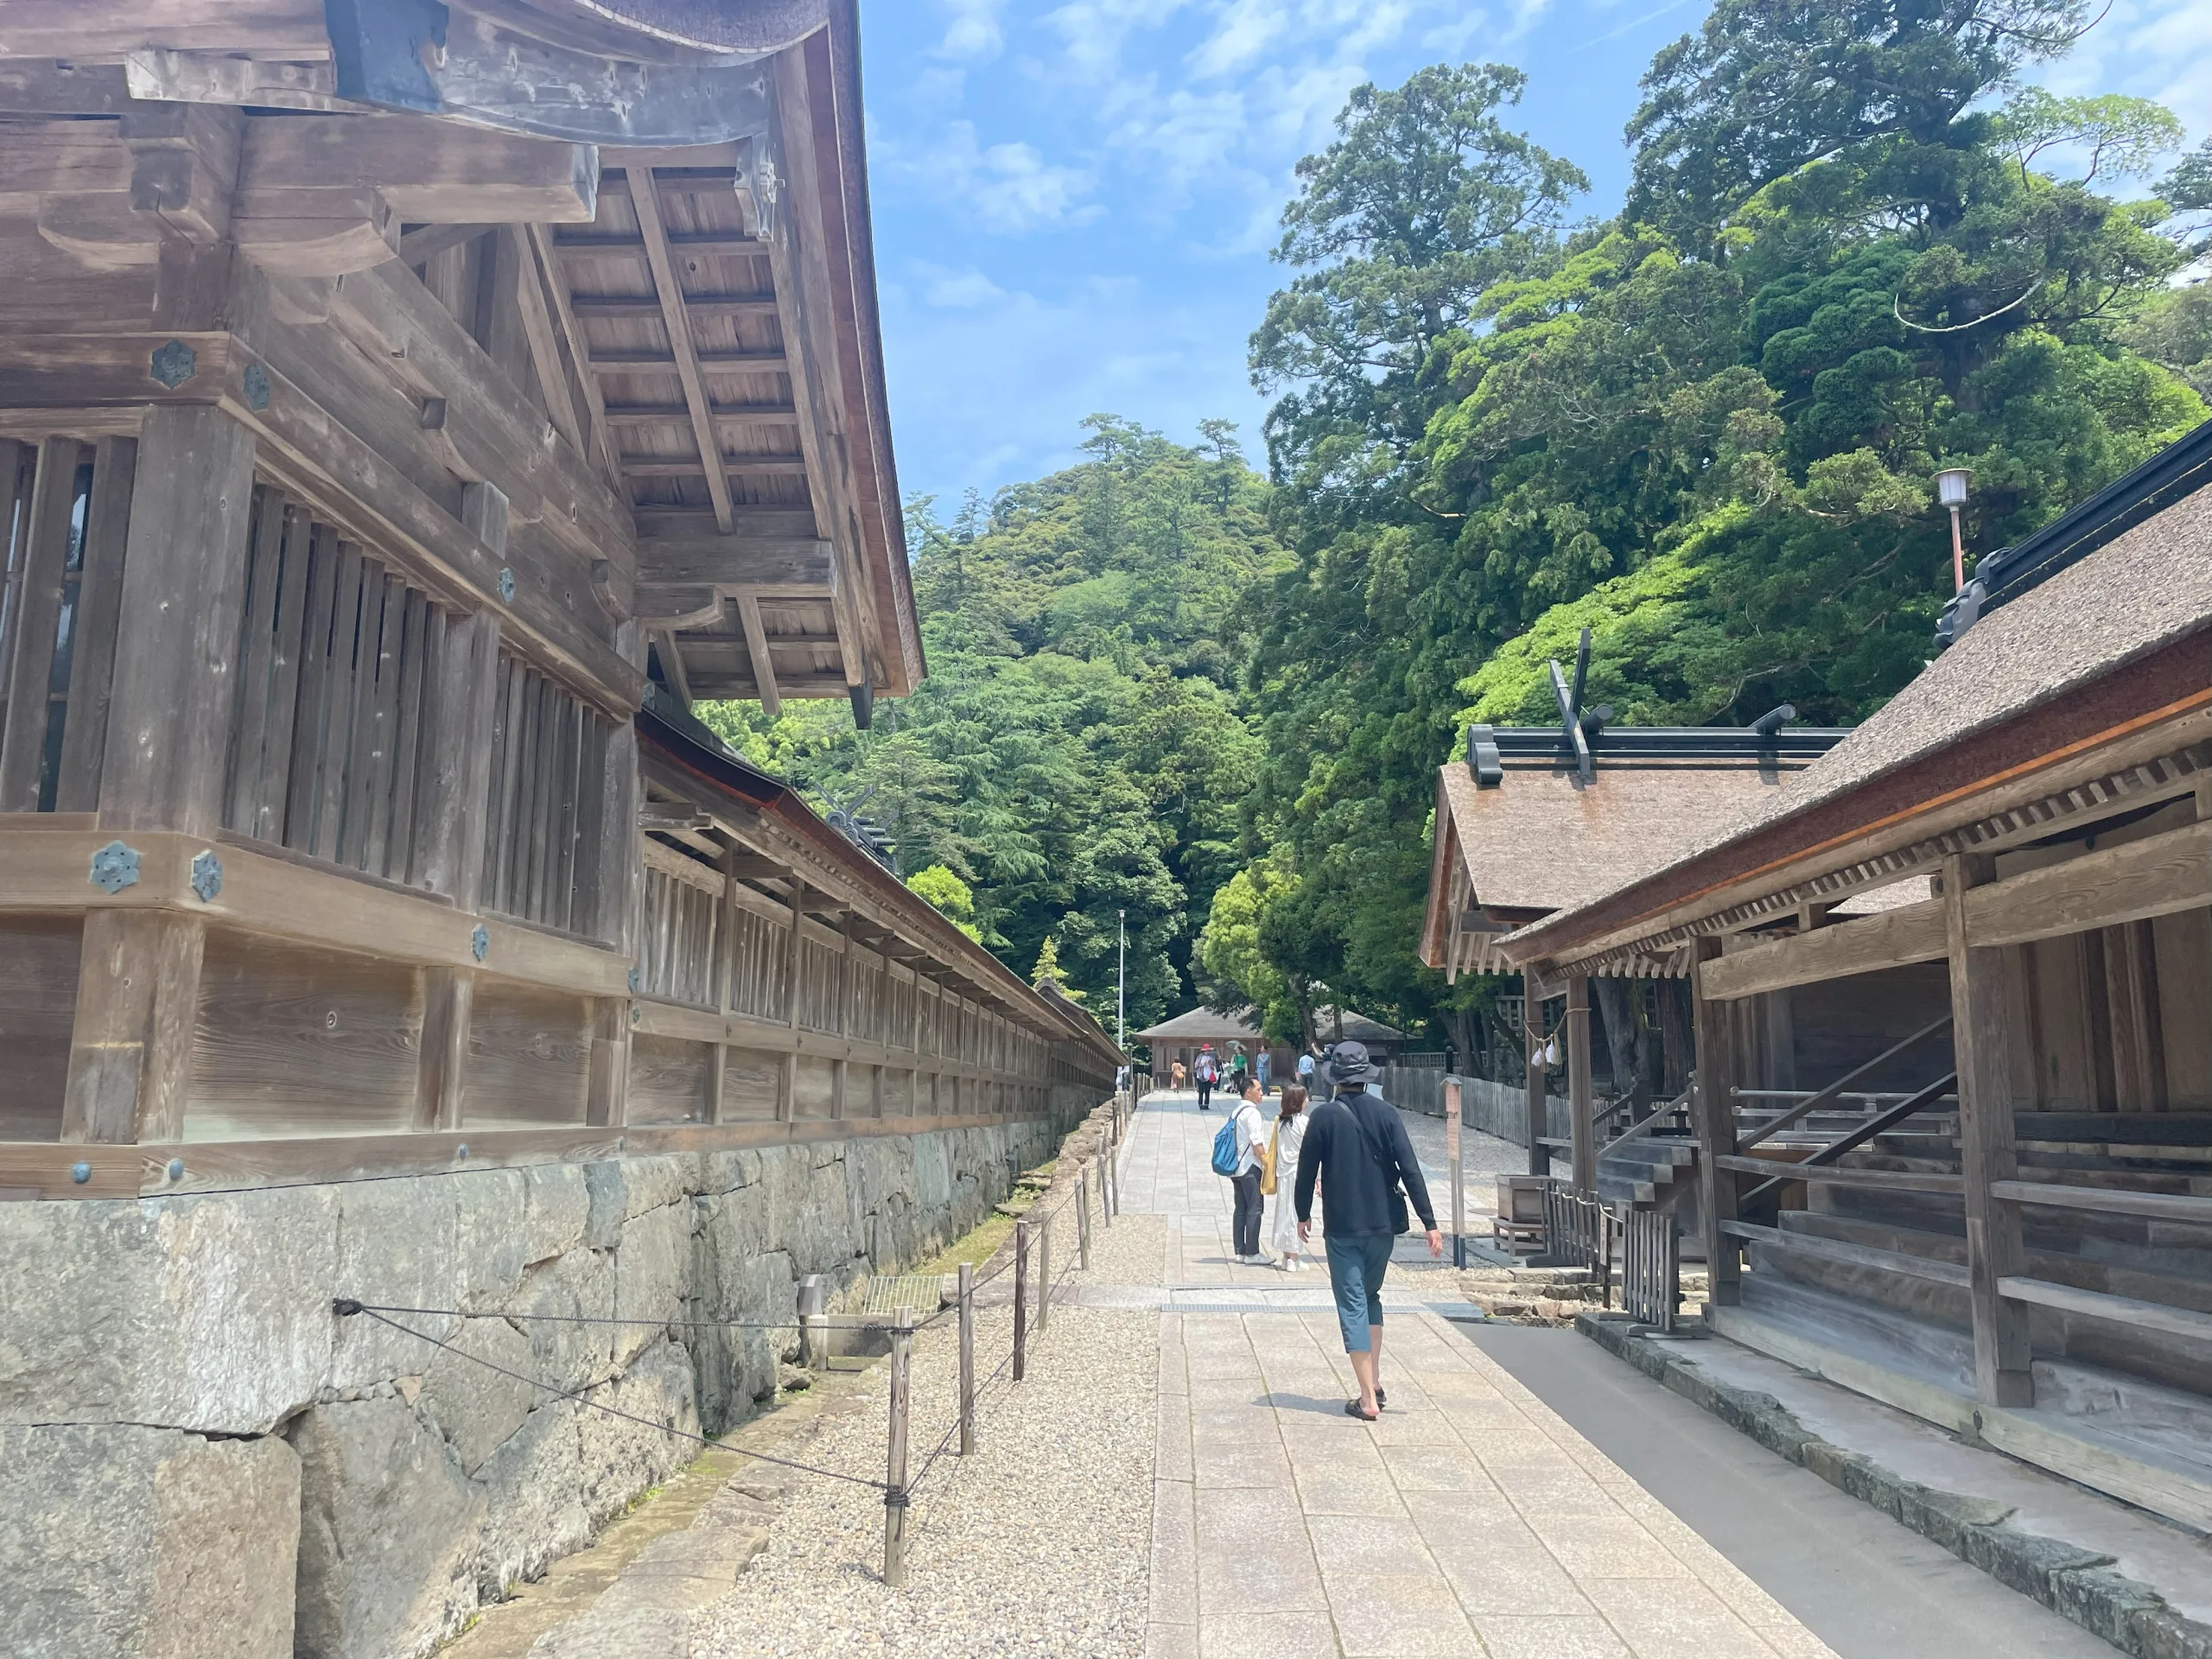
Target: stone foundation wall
197 1458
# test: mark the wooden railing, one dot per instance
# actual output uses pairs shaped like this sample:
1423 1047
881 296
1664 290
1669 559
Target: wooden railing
1651 1267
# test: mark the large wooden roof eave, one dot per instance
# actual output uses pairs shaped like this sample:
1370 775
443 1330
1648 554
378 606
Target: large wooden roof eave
862 329
667 79
2140 732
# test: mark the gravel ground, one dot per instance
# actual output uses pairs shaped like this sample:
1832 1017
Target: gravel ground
1486 1158
1038 1545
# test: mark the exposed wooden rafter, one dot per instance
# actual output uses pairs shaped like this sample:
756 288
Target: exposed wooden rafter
756 647
682 346
564 318
672 660
544 347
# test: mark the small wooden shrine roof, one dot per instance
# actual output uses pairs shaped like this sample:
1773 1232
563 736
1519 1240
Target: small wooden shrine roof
1205 1025
1538 836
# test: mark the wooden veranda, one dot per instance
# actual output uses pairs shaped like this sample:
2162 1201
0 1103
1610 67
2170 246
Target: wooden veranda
2010 1231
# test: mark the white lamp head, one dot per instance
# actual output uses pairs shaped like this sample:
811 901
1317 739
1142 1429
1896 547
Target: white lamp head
1951 485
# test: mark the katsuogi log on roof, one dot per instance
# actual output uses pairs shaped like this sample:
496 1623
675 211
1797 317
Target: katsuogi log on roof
1538 819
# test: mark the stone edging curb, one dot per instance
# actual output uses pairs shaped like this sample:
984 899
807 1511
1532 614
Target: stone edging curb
2077 1584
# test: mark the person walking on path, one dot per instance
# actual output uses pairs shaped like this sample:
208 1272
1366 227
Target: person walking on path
1238 1070
1289 1135
1260 1066
1251 1155
1356 1147
1175 1073
1204 1074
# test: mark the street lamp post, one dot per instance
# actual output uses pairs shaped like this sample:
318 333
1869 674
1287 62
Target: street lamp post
1951 491
1122 988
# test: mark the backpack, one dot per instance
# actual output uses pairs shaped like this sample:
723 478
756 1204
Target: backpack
1225 1148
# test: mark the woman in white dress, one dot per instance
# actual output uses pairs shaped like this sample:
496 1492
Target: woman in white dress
1288 1135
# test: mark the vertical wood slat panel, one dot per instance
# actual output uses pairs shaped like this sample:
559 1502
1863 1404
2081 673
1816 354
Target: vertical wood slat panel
495 814
541 817
36 620
516 900
329 796
313 712
591 778
686 935
257 649
654 921
514 895
563 913
99 607
499 873
359 773
543 744
15 464
267 821
418 643
383 729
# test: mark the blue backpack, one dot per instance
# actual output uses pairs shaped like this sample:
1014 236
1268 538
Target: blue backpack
1225 1148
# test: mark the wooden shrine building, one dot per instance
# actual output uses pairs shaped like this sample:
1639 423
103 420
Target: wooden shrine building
2013 1237
407 410
1537 819
390 397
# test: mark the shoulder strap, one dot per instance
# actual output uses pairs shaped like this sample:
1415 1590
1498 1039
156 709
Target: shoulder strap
1385 1160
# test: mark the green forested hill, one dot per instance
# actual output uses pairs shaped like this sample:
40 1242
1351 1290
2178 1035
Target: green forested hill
1857 249
1078 746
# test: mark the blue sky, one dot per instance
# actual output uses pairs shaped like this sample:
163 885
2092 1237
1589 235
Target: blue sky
1074 199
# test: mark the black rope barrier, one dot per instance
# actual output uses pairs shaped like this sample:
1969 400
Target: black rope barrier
345 1307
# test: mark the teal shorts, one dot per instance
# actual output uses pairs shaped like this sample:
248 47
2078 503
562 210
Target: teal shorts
1356 1268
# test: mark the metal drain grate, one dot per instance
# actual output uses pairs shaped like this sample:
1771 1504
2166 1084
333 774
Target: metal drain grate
887 1292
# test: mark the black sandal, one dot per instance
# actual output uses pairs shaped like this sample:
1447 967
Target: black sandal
1351 1409
1381 1399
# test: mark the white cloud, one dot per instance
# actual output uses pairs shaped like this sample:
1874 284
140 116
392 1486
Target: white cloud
1009 188
1244 33
1451 39
956 290
972 31
1093 32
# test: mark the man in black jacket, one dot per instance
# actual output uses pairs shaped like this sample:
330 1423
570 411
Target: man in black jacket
1357 1145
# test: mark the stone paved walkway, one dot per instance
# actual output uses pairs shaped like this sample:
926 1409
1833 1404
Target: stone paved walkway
1469 1521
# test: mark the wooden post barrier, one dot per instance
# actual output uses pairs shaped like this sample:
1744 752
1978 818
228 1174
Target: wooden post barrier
1106 1176
1020 1299
1082 1220
1044 1271
1455 1157
894 1495
967 1360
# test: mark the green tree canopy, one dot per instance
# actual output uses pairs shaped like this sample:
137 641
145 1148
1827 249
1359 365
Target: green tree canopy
1080 749
1706 429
